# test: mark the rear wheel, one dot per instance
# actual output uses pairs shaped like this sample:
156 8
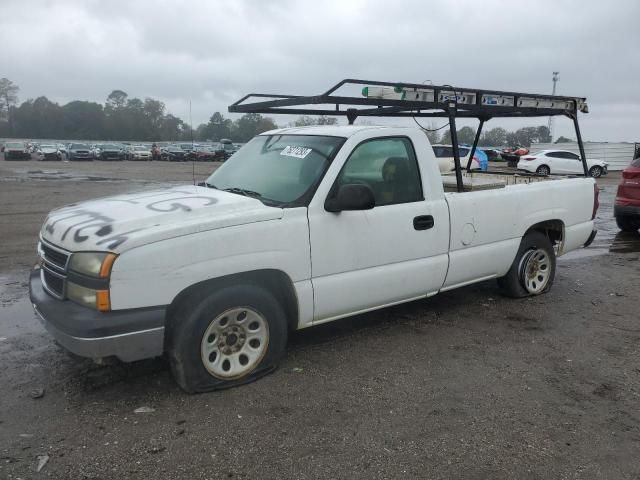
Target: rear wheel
627 224
231 337
595 172
543 170
533 270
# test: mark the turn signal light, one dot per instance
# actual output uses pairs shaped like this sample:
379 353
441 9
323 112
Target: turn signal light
107 263
103 302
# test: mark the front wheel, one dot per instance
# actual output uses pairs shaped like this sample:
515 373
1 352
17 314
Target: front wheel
595 172
231 337
533 270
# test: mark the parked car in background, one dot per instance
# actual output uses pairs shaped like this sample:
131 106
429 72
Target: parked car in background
493 154
205 153
110 151
95 151
79 151
16 151
512 155
550 162
140 152
188 147
156 152
62 148
174 153
446 163
627 205
226 148
49 152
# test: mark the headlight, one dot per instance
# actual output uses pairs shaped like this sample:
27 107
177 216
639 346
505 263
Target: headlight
93 264
88 297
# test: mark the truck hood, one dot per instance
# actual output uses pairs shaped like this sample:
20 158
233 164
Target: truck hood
124 222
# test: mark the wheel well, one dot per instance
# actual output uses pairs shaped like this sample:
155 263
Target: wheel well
276 282
552 229
543 165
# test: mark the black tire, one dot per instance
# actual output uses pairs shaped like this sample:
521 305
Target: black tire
595 172
513 283
627 224
543 170
186 329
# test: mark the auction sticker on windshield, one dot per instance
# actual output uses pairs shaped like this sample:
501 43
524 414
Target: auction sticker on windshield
298 152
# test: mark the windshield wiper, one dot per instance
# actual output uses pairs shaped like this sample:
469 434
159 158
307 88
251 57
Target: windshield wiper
210 185
242 191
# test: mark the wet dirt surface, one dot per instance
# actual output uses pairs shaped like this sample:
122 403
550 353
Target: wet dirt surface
467 384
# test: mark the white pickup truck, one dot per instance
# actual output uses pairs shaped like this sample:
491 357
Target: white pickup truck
301 226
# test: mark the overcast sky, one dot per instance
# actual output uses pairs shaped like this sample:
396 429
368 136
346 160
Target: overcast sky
213 52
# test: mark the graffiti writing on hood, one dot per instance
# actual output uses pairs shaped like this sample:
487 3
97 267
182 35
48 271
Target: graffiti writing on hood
87 223
167 204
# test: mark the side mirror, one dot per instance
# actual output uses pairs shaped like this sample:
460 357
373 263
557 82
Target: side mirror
352 196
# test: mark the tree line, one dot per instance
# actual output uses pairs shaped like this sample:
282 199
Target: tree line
497 136
125 118
121 118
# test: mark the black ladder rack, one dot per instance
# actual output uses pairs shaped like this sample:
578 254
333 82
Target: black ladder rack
397 99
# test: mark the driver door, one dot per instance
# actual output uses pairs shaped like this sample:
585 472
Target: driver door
395 252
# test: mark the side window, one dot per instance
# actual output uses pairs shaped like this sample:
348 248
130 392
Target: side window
554 155
388 166
572 156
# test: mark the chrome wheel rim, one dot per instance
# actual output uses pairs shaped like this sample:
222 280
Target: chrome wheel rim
596 172
234 343
544 170
535 270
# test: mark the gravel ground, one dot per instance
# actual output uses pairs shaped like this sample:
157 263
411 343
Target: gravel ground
467 384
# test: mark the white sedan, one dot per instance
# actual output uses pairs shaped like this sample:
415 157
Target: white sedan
547 162
446 163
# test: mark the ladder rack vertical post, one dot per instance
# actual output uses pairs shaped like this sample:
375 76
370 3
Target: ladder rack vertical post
454 145
583 156
475 144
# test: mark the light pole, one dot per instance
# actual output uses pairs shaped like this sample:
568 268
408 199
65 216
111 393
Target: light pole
555 80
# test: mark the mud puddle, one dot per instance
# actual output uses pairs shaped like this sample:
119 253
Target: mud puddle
16 313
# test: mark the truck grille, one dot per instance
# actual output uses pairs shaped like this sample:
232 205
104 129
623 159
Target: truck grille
52 283
54 269
55 258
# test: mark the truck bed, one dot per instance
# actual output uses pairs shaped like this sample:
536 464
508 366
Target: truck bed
474 181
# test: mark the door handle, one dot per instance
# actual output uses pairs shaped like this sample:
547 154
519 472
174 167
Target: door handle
423 222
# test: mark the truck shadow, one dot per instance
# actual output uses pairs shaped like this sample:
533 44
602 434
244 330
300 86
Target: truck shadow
625 242
421 317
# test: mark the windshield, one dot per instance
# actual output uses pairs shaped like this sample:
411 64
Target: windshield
79 146
108 146
15 145
277 168
140 149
